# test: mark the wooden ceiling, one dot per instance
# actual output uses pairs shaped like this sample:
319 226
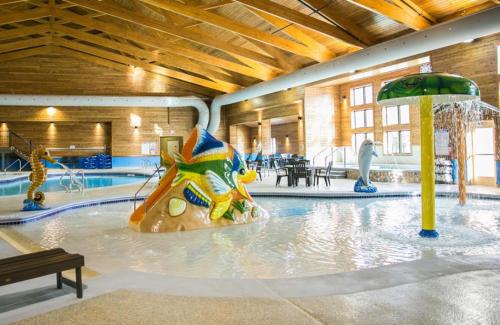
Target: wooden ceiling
216 45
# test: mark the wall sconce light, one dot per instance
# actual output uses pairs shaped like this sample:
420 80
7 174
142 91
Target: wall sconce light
51 110
135 121
259 123
344 97
287 136
300 118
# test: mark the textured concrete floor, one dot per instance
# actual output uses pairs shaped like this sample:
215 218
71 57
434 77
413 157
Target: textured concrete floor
464 298
452 290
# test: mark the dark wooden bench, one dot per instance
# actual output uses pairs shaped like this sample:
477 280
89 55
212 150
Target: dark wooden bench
29 266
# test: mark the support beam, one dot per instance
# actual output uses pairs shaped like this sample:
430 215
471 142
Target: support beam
24 53
322 52
109 8
301 19
342 21
14 17
393 12
150 40
8 2
24 44
146 66
411 8
232 26
24 31
172 59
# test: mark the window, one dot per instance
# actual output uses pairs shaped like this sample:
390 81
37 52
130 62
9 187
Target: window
361 95
358 138
273 145
397 142
362 119
393 115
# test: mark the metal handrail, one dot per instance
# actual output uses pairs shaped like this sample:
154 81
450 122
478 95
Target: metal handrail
12 164
158 170
72 179
319 153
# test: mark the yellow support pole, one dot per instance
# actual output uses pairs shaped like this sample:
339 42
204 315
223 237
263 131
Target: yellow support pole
427 168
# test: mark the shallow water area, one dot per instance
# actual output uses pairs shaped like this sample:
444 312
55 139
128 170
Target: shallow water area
301 237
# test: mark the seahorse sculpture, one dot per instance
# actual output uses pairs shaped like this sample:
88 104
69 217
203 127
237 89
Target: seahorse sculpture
38 176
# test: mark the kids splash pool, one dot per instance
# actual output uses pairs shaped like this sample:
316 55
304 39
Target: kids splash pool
53 183
302 237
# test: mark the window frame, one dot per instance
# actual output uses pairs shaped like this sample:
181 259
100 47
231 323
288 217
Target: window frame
352 100
384 115
365 114
400 143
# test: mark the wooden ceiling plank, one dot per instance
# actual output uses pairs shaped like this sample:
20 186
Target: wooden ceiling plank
149 67
14 17
126 68
232 26
301 19
24 44
172 59
322 52
142 38
393 12
111 9
342 21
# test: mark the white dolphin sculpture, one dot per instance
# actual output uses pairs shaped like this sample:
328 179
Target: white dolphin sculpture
365 154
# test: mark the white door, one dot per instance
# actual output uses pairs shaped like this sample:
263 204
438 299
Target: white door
481 159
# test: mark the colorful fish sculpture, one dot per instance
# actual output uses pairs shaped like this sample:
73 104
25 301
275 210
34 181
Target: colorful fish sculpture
216 173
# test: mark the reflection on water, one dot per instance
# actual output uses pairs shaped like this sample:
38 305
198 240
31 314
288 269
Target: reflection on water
302 237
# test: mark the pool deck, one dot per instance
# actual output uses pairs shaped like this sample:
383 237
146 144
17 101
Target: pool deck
444 290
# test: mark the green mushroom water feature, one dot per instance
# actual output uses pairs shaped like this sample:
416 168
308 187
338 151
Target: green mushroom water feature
428 89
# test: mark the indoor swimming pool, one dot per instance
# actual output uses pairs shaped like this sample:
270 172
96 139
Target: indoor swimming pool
54 184
301 237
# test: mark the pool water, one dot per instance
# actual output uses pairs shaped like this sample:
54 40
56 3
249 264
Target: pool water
302 237
52 184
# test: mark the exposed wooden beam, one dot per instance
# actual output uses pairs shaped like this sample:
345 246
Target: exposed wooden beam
232 26
301 19
278 54
153 41
24 53
24 31
24 44
8 2
322 52
14 17
111 9
411 7
146 66
219 4
393 12
188 87
471 10
172 59
340 19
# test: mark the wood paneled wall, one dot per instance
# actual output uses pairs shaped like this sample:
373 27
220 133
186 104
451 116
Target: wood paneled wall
83 135
125 140
286 144
63 75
